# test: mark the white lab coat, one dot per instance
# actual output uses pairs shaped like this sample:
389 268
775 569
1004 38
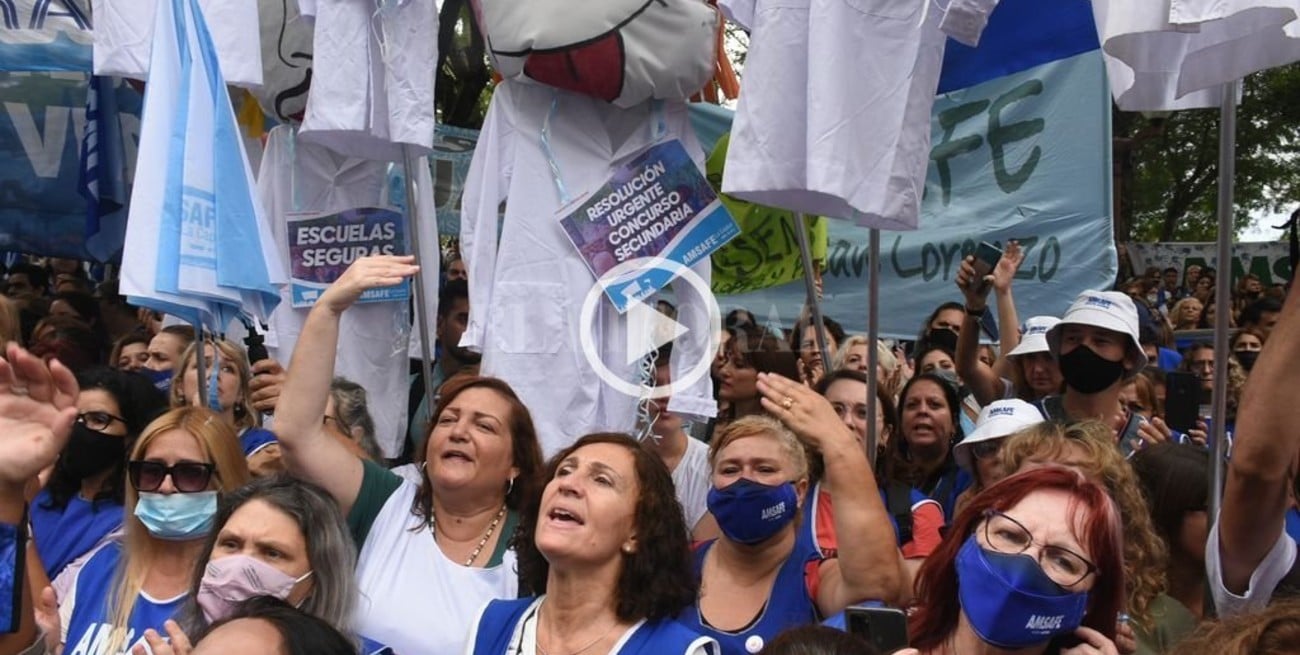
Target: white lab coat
372 77
372 336
124 38
835 119
1175 54
527 286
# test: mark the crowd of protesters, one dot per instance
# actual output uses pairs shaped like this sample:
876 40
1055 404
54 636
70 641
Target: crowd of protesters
1032 495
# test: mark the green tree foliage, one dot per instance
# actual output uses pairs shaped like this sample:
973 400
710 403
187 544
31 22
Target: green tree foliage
463 85
1167 167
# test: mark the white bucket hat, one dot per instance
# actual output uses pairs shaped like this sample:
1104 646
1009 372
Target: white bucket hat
998 419
1033 338
1110 310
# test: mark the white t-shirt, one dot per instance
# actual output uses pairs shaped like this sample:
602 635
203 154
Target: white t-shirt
124 38
835 119
1176 54
692 479
372 77
413 599
297 176
527 282
1263 581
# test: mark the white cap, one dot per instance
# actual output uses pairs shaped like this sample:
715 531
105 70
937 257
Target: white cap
1033 337
998 419
1110 310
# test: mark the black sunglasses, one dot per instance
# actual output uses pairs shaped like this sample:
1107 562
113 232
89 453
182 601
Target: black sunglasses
187 477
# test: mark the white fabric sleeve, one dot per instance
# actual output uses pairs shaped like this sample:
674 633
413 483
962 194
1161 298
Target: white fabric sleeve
965 20
486 185
693 401
1263 580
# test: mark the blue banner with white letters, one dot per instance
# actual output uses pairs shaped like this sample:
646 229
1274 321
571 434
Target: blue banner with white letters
42 128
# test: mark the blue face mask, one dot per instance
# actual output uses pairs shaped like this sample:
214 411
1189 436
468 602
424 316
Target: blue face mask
1010 601
750 512
178 516
162 380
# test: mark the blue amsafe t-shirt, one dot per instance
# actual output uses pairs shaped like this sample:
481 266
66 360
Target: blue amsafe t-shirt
63 535
89 631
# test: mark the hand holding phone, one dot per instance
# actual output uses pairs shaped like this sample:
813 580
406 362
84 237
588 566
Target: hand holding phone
883 627
987 256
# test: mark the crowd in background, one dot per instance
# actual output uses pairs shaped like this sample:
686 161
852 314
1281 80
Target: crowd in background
1036 491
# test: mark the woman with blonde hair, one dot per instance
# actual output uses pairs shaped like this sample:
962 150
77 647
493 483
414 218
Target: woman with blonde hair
177 469
1089 447
227 376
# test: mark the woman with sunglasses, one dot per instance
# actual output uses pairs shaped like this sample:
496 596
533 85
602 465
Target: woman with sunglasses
977 454
178 467
82 502
1033 565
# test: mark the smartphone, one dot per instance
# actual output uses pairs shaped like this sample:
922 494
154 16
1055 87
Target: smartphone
883 627
1182 400
987 257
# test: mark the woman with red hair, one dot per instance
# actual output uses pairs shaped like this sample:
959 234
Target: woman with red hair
1032 565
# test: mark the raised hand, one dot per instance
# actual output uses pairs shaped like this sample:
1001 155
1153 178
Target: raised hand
365 274
37 410
804 411
1006 269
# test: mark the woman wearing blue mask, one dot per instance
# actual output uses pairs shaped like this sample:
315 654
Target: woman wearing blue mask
1033 565
759 578
82 502
178 467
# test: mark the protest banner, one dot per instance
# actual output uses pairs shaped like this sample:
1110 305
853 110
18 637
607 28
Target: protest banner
321 247
1267 260
657 204
42 125
45 35
1025 157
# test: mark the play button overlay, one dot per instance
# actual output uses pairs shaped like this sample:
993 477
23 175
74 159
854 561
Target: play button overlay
648 329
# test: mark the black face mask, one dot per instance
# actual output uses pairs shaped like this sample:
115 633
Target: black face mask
1247 358
88 452
1087 372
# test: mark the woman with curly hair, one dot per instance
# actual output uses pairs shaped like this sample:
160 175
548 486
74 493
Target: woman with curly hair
1089 447
605 550
1272 631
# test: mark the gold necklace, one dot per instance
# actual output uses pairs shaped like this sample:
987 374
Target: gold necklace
580 651
492 527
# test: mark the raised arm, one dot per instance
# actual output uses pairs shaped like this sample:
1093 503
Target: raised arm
308 453
1008 321
1264 454
869 566
37 410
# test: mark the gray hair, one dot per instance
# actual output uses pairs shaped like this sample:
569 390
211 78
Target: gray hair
330 551
351 411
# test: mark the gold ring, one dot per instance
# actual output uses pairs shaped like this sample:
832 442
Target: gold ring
787 403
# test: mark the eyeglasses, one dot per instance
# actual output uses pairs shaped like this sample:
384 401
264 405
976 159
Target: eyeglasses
985 449
98 421
187 477
1006 535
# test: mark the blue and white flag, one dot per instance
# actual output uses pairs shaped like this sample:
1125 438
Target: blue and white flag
197 246
103 172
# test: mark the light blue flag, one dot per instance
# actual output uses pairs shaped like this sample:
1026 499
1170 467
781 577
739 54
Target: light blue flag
211 249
